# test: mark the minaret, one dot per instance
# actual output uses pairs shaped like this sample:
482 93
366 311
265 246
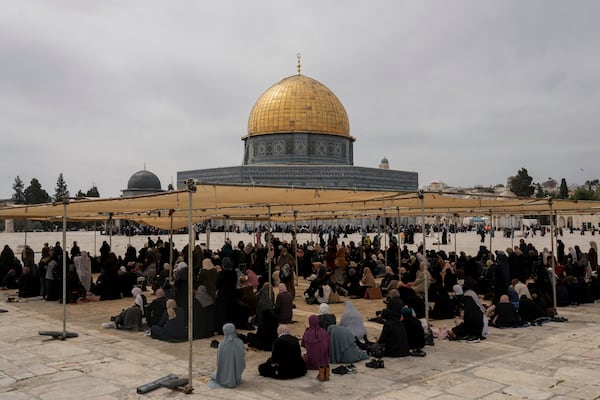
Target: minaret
385 164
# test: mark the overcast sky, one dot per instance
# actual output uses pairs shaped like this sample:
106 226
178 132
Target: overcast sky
466 92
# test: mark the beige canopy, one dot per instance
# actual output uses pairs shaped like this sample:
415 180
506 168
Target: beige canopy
286 204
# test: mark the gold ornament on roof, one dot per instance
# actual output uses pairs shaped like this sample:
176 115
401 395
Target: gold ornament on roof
299 56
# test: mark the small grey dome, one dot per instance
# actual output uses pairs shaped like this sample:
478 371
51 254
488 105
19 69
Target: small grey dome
144 180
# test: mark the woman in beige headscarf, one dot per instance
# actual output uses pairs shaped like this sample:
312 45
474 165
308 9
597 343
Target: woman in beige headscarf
368 279
208 277
422 276
172 325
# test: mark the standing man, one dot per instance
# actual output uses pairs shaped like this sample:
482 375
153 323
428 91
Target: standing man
287 266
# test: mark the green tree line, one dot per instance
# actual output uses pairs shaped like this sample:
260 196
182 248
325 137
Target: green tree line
522 185
35 194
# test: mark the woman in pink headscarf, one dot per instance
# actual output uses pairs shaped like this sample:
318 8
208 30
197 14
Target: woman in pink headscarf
284 305
316 342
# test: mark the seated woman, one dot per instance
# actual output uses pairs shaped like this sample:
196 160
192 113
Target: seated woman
286 358
457 299
367 281
75 289
172 325
504 314
245 294
266 332
415 334
162 280
352 320
422 278
11 280
472 326
530 311
353 287
155 310
140 299
130 318
448 274
29 284
315 289
393 309
231 360
316 342
394 339
204 314
387 279
443 307
342 346
265 302
325 317
284 305
410 299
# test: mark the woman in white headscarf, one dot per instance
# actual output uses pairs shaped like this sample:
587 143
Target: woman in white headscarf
230 360
326 319
83 266
352 320
130 318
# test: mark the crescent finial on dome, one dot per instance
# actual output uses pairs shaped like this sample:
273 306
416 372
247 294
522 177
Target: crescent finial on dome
299 56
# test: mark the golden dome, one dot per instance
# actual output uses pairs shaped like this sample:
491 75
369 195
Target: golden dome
298 104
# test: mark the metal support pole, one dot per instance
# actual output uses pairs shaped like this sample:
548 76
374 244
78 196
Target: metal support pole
171 246
438 236
208 235
553 257
110 218
268 244
385 241
62 335
95 233
422 197
455 229
398 231
512 233
191 189
491 229
295 238
64 267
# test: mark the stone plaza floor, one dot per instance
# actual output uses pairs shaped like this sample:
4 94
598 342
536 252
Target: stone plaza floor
552 361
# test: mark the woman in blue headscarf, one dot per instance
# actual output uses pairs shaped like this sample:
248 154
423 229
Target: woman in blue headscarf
230 360
343 347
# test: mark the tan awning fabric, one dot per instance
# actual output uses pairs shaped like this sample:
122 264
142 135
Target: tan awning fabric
281 204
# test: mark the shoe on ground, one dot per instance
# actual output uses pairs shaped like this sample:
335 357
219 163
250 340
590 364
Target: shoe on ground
341 370
351 368
375 364
471 339
418 353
